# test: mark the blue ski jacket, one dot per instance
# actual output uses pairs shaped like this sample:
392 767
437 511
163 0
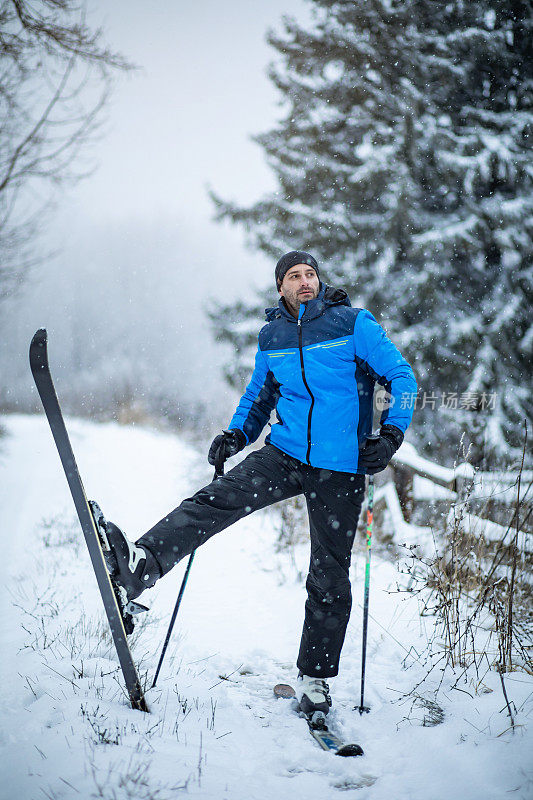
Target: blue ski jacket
319 372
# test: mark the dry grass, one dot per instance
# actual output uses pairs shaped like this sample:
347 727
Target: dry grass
472 604
478 587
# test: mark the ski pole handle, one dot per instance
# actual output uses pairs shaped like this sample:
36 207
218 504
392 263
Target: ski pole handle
219 467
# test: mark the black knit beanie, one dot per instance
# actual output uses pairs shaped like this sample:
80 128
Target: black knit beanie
290 260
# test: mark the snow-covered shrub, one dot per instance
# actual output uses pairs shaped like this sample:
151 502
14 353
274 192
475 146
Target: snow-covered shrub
478 585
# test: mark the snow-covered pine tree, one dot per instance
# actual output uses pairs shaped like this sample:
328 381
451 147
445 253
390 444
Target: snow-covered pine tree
403 163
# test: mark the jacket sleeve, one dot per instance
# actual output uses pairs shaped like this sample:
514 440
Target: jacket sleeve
258 400
378 356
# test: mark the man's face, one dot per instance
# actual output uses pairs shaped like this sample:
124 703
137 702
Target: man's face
300 284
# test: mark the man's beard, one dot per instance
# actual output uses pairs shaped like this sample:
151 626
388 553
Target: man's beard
294 301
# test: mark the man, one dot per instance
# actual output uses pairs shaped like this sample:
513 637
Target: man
316 364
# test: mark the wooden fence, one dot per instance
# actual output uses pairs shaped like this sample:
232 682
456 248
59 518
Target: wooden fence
417 480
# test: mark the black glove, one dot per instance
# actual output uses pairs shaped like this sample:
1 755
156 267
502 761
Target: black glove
377 453
225 445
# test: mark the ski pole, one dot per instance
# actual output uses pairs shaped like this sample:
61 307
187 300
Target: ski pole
219 470
369 519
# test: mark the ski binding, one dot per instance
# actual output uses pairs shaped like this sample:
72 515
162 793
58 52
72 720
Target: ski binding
318 728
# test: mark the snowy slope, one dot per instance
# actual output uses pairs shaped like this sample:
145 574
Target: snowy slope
215 730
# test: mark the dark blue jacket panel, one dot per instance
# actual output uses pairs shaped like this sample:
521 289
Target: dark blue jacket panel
319 374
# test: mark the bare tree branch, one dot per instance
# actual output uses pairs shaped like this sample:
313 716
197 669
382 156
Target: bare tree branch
55 81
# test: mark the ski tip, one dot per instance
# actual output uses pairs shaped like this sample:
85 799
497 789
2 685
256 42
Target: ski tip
284 690
349 750
40 336
38 342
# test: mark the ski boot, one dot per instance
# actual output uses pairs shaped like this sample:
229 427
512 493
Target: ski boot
314 699
132 569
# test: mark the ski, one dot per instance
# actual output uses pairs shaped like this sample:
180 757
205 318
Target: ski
318 728
119 618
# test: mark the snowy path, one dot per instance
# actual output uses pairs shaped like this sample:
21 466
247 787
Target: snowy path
66 729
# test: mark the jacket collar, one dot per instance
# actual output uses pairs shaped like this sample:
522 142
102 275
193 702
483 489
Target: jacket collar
327 296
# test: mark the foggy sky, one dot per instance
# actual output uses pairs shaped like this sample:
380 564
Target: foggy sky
137 235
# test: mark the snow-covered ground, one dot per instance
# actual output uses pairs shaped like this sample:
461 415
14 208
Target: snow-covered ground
215 730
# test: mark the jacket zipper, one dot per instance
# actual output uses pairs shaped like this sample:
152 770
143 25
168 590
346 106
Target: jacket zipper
308 389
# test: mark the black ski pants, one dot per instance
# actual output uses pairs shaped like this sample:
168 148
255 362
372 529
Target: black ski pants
266 476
